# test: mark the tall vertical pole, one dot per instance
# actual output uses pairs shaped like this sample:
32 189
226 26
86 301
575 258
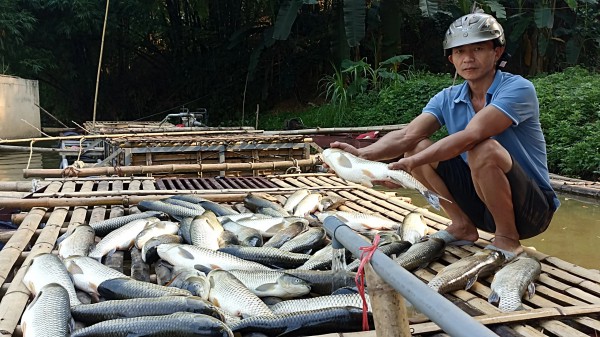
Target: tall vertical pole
100 66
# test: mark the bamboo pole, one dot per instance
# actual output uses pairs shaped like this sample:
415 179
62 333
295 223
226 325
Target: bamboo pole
275 190
15 148
123 135
100 64
125 201
337 130
389 311
21 186
173 168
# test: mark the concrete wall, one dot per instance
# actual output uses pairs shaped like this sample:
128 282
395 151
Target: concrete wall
17 101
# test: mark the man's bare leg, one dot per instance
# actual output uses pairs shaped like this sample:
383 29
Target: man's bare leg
462 228
489 163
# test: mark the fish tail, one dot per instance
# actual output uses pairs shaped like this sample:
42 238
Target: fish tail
433 199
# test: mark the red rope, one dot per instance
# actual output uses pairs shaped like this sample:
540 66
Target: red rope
365 256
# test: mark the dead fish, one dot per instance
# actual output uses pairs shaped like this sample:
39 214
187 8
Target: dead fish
128 288
122 238
310 204
228 238
305 323
204 259
286 234
88 273
78 243
268 256
205 230
49 314
253 202
275 283
321 281
177 212
390 249
294 199
104 227
155 229
183 203
231 295
149 254
46 269
312 239
246 235
463 273
267 227
240 216
321 260
216 208
421 254
177 324
512 282
361 222
331 202
192 280
136 307
414 227
362 171
320 302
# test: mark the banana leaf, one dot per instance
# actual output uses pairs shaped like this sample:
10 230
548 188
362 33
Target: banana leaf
285 18
354 20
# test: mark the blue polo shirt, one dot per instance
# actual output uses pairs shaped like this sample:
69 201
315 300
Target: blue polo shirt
516 98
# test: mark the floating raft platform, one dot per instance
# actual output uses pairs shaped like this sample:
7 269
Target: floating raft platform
585 188
566 302
209 149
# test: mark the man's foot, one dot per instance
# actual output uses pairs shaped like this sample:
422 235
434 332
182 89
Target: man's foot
456 236
510 247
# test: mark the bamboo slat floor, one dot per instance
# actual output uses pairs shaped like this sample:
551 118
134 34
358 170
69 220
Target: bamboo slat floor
566 302
590 189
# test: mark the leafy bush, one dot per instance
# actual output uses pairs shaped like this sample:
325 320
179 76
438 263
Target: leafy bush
570 117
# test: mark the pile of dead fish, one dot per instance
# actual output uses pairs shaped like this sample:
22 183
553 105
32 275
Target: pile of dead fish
213 270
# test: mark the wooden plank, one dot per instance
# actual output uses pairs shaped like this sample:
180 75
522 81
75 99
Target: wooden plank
560 329
528 331
21 238
574 269
16 297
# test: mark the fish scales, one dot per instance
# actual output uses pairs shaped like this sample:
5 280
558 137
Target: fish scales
286 234
294 199
197 257
88 273
48 314
231 295
46 269
308 205
185 204
320 302
128 288
205 232
275 283
463 273
175 211
181 324
413 227
149 254
121 238
155 229
321 280
313 238
312 322
218 209
394 248
104 227
267 256
512 282
136 307
248 236
78 243
421 254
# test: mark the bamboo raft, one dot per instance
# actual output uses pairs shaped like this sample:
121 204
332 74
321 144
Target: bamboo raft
590 189
566 303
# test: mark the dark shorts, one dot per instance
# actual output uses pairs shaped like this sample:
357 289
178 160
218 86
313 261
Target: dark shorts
533 206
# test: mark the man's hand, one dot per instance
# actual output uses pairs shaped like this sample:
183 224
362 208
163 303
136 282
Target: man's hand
404 164
346 147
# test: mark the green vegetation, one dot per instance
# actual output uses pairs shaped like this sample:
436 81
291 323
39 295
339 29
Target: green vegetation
569 108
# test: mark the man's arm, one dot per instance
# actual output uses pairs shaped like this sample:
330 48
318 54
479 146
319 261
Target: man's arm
394 144
488 122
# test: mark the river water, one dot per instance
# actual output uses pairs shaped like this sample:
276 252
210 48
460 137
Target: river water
573 235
